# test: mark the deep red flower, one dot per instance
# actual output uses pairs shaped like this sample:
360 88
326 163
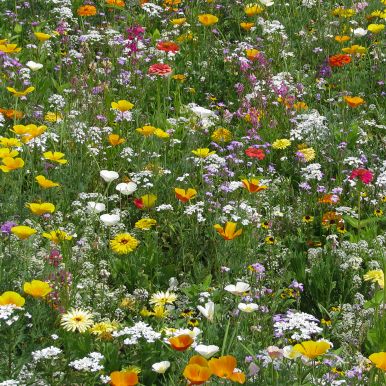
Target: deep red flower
138 203
255 153
365 175
160 69
168 47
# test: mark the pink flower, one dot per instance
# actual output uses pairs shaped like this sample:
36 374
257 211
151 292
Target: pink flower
160 69
365 175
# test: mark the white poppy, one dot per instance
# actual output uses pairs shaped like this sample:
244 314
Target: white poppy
248 307
267 3
160 367
359 32
207 351
108 175
126 188
33 66
207 311
238 289
96 207
110 219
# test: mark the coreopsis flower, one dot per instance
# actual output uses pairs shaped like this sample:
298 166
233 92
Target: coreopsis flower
184 195
41 208
42 37
221 135
145 223
76 320
355 49
197 371
307 219
116 139
124 378
13 298
145 202
160 367
253 185
123 243
253 9
23 232
332 218
311 349
339 60
246 26
122 105
354 101
203 152
160 69
207 19
375 276
255 153
57 236
45 183
37 288
239 289
229 231
281 144
181 342
86 10
378 212
55 156
379 359
162 298
365 175
9 48
224 367
168 47
23 93
376 28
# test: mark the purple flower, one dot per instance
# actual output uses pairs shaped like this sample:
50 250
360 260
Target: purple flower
6 227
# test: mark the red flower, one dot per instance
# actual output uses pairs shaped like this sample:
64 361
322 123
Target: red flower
339 60
365 175
255 153
168 47
160 69
138 203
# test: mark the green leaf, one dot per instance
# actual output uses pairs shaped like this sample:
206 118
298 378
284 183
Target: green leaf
18 28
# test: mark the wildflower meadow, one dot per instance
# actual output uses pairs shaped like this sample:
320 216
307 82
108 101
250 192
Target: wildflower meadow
193 192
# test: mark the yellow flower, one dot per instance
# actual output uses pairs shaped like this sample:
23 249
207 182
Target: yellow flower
281 144
376 28
252 53
161 133
253 185
9 48
37 288
355 49
9 142
53 117
203 152
253 9
115 139
45 183
378 212
122 105
307 219
57 236
161 298
39 209
379 359
146 131
10 297
55 157
342 39
270 240
123 243
145 223
308 154
229 232
77 319
221 135
10 164
354 101
160 312
5 152
22 231
342 12
29 131
42 37
20 93
207 19
185 195
104 329
375 276
179 21
146 202
300 106
246 26
311 349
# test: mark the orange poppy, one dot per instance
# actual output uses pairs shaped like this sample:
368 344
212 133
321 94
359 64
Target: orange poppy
224 367
124 378
11 114
253 185
354 101
339 60
197 371
185 195
87 10
168 47
181 342
115 139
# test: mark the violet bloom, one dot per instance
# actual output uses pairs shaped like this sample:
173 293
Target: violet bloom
5 228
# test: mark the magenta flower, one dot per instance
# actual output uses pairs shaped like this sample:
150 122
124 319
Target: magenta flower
365 175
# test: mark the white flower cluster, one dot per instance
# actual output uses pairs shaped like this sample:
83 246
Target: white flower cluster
309 127
90 363
51 352
153 10
312 172
198 209
136 332
300 325
7 314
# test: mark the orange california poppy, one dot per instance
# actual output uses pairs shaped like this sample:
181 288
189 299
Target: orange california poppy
339 60
253 185
181 342
197 371
124 378
185 195
87 10
224 367
229 232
